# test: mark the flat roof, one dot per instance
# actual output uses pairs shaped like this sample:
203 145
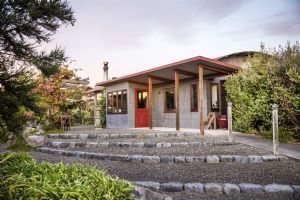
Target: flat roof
164 71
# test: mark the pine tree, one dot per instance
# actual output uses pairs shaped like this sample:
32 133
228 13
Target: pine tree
25 26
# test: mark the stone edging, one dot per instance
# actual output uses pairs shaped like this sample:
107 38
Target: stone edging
122 135
165 159
227 188
143 193
64 144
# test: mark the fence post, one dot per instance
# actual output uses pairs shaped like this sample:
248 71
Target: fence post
229 116
275 129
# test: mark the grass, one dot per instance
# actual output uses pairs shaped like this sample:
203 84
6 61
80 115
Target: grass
58 131
22 178
20 144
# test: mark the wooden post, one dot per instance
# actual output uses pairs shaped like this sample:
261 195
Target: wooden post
275 129
201 98
150 101
215 120
229 116
177 100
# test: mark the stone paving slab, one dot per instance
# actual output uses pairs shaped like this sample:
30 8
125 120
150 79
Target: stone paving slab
154 159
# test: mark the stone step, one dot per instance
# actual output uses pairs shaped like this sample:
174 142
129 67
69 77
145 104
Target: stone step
89 145
227 188
251 159
121 135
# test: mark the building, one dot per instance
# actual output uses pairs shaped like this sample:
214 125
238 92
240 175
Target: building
183 94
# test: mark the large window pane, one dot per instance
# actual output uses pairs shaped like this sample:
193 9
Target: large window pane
124 101
169 100
214 97
119 103
194 98
114 102
109 102
142 99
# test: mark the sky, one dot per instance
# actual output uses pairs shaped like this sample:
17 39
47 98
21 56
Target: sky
135 35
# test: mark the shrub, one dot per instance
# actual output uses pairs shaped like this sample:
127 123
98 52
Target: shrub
22 178
273 78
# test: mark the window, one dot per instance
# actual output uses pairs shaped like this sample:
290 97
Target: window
142 99
214 91
194 98
170 100
117 102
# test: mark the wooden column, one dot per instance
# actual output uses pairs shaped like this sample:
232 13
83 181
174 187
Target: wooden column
177 100
150 101
201 99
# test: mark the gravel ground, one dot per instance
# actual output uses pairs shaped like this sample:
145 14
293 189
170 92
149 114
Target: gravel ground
287 172
236 149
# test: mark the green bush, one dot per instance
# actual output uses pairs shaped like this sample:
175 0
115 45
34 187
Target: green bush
273 78
22 178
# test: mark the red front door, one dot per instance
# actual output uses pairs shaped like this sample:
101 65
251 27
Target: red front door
141 108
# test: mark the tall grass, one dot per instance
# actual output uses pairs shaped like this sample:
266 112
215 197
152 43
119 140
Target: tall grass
22 178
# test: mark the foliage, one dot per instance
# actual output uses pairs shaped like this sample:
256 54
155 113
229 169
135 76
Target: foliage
24 26
53 97
20 144
22 178
273 78
102 104
82 117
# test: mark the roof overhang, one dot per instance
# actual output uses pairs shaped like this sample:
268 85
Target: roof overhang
188 69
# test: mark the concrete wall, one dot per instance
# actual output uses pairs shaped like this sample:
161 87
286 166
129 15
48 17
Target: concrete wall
188 119
118 120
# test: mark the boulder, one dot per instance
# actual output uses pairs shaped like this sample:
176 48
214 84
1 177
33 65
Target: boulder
36 140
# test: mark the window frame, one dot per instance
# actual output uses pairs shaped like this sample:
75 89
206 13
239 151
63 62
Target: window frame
218 102
166 110
119 105
191 98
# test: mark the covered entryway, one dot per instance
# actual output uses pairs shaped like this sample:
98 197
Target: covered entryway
141 108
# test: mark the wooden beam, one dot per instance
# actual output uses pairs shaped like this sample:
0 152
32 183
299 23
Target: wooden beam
201 99
150 101
186 73
208 76
161 79
216 70
138 83
177 100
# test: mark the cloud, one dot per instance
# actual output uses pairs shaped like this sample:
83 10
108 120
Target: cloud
287 23
128 23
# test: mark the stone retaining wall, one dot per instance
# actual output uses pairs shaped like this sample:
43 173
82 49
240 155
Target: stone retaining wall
122 135
64 144
227 188
166 159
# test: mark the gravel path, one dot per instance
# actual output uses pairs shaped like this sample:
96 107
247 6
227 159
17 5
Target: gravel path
264 173
236 149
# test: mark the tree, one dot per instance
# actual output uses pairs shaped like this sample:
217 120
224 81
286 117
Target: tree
273 78
25 26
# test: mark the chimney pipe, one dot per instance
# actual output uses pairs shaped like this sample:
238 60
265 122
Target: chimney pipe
105 71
